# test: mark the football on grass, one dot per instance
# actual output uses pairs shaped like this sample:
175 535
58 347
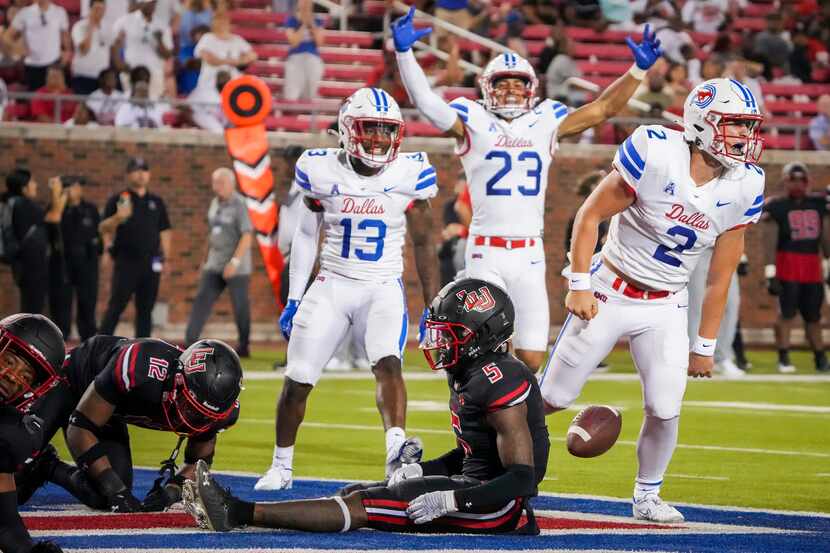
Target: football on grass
594 430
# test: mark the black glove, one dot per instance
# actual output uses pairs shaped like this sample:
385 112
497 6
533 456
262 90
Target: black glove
124 502
161 497
46 547
774 286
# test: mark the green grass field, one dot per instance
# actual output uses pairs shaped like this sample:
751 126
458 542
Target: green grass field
769 447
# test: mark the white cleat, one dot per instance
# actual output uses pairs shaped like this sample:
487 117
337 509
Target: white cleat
650 507
409 451
277 478
728 369
786 369
336 364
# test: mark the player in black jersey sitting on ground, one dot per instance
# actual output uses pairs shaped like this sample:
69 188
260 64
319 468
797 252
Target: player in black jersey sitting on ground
481 486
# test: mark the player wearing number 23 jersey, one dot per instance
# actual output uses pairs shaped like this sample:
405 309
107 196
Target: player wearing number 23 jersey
363 195
506 144
672 195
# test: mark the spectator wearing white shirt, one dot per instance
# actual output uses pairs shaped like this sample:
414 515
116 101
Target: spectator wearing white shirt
705 16
167 13
45 31
105 101
204 108
116 9
145 42
221 50
140 112
92 44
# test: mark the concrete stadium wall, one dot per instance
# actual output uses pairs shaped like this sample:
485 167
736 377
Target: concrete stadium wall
181 164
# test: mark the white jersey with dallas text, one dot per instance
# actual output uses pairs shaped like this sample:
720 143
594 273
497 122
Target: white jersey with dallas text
658 240
507 164
364 218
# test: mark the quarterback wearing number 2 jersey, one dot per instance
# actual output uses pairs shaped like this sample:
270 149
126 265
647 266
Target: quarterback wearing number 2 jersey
363 196
506 143
673 195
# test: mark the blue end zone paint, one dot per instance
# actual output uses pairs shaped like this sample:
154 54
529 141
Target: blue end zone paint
816 538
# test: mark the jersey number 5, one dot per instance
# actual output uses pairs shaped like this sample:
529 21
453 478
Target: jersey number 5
493 372
507 164
662 253
360 253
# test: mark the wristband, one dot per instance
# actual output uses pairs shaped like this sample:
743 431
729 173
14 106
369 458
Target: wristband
769 271
704 346
636 72
234 261
579 281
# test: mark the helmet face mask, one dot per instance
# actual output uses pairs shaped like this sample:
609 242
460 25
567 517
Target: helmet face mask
17 377
443 342
185 414
31 354
499 83
736 137
371 127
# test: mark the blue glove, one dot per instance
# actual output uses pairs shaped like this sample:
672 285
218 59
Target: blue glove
287 317
422 326
647 52
404 33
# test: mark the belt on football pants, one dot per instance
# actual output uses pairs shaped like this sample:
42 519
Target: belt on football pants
632 291
499 242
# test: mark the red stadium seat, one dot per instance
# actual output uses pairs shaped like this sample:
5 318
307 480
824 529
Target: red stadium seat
332 71
253 4
329 55
536 32
754 9
615 68
753 24
786 107
331 38
453 92
421 128
258 17
72 7
787 142
328 89
601 51
812 90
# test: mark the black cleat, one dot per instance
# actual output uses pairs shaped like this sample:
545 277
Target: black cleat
207 502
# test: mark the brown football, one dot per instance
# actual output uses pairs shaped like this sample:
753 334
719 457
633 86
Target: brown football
594 430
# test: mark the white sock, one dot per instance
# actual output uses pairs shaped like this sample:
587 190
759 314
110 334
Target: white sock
395 436
283 457
655 446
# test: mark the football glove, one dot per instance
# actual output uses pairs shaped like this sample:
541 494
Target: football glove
405 472
422 326
287 317
404 33
46 547
124 502
161 497
646 52
429 506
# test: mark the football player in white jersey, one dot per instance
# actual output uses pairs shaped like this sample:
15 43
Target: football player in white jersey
363 195
506 143
671 196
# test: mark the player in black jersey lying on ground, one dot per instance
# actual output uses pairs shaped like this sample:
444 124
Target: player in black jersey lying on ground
481 486
93 394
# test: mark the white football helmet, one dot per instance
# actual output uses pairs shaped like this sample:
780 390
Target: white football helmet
502 66
713 106
368 108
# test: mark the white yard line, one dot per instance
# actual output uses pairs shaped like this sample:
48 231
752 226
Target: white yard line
751 405
697 477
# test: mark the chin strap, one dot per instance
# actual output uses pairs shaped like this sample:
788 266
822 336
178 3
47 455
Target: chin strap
168 467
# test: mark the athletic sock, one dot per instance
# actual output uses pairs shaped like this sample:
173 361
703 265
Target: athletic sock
784 357
241 512
283 457
655 446
395 436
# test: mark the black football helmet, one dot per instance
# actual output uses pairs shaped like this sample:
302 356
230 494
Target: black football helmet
39 343
468 318
205 388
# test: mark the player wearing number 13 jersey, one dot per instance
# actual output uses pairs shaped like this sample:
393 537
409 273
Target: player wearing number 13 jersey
671 195
363 195
506 144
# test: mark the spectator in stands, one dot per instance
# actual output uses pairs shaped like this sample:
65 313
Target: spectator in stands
105 101
773 46
145 42
456 12
167 13
187 75
140 112
619 14
712 68
83 117
747 73
304 66
541 12
204 109
657 13
13 50
705 16
92 44
115 10
585 13
562 67
197 14
656 94
678 46
221 50
677 82
283 6
43 109
820 124
449 72
45 31
801 66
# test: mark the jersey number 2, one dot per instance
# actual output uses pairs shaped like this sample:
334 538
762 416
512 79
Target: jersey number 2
360 253
662 253
507 165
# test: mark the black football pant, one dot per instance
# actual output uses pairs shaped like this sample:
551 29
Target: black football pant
30 275
132 276
78 277
211 286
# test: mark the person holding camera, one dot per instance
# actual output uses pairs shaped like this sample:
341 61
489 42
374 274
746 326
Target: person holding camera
146 42
137 220
73 261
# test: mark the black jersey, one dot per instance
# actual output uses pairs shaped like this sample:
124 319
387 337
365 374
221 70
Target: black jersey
133 375
495 381
800 222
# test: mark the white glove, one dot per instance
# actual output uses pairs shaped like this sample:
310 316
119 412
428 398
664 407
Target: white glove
405 472
432 505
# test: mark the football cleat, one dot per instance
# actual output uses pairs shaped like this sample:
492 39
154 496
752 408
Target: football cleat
207 502
408 451
728 369
650 507
786 369
277 478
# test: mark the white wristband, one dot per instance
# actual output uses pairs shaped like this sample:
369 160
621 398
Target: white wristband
769 271
704 346
579 281
636 72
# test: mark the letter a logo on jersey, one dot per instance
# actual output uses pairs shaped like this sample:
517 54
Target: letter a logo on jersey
481 300
196 363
